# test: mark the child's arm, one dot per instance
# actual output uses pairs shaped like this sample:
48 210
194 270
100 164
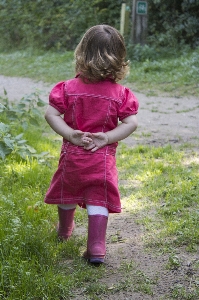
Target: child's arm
123 130
101 139
54 119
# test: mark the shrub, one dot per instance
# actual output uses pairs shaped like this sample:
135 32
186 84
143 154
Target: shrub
174 23
27 111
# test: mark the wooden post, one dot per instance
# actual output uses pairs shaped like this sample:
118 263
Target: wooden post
139 21
133 21
122 18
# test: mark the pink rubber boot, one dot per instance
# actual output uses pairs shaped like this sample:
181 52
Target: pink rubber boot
96 243
66 223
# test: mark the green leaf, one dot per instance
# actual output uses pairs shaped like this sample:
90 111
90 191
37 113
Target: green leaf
9 143
12 115
23 153
31 149
36 112
4 128
3 107
24 125
34 122
41 103
43 153
22 142
21 106
19 136
4 150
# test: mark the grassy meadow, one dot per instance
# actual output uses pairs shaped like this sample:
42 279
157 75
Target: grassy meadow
34 265
176 73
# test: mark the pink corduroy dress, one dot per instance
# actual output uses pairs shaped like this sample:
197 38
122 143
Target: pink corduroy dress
84 177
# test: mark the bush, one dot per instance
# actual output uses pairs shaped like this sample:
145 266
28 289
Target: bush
141 53
52 24
174 23
29 114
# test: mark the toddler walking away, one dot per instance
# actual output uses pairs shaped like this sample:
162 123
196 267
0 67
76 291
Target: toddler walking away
91 104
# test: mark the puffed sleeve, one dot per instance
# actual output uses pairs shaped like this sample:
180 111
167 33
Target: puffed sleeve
57 97
129 105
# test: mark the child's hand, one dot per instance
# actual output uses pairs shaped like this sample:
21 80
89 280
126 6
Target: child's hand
90 141
99 140
80 138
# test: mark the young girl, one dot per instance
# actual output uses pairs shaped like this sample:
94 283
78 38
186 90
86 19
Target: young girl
91 104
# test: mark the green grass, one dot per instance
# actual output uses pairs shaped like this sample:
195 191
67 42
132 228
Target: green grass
176 76
168 182
45 66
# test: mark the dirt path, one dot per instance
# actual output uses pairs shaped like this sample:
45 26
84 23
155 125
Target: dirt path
162 120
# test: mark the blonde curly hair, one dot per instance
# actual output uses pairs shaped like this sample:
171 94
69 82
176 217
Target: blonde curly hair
101 54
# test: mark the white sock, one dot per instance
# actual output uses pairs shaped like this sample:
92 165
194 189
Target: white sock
67 206
97 210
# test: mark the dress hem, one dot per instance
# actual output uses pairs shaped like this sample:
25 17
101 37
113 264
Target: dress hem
82 204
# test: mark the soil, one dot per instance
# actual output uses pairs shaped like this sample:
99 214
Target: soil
162 120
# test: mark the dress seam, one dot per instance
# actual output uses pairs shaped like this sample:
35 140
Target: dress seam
105 174
96 96
62 176
107 116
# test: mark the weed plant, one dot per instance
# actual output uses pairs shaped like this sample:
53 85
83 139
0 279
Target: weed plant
11 133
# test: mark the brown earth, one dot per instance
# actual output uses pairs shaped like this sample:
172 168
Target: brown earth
162 121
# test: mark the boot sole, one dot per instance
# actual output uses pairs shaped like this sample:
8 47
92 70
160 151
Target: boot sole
96 260
93 260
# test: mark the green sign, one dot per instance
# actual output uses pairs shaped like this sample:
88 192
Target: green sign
141 8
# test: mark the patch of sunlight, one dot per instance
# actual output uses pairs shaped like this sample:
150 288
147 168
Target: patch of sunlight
135 203
20 167
148 175
191 160
129 183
